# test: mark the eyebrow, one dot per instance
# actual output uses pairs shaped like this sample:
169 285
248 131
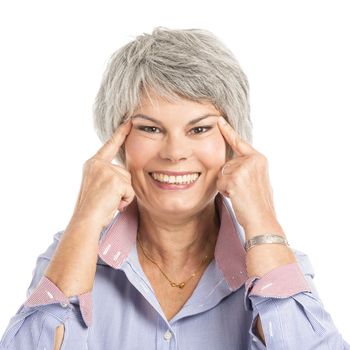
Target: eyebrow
191 122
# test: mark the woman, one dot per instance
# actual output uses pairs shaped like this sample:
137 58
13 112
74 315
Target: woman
195 257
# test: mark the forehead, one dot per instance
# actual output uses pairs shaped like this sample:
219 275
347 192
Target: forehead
159 107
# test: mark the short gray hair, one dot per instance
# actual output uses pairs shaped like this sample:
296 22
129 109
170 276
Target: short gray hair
176 63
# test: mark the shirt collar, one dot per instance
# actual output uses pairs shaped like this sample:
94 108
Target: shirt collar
119 237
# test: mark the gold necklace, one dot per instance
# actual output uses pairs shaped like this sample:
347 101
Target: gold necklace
173 284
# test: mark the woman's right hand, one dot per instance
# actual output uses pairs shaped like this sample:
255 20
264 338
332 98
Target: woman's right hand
105 187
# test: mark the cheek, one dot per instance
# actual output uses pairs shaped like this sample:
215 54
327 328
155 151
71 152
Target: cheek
212 151
138 150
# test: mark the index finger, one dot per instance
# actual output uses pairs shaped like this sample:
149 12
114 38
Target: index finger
109 149
233 139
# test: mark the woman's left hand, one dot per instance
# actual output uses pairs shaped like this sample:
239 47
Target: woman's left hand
245 180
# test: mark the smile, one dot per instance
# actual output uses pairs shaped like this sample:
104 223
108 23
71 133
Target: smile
176 180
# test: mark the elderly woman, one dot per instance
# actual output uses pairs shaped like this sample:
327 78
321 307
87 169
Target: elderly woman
195 257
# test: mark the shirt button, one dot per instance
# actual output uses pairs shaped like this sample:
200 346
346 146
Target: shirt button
167 335
64 304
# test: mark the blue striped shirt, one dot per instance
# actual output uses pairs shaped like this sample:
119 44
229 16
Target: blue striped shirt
220 314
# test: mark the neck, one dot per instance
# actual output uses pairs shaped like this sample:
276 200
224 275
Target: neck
181 244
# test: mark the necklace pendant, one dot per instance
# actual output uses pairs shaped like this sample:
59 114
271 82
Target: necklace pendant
180 285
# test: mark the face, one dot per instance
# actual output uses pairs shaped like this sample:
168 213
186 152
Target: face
174 142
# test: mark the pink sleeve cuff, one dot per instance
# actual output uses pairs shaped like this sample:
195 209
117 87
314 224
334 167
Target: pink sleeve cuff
283 281
48 293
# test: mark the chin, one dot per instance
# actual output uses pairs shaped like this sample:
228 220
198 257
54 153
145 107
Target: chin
177 205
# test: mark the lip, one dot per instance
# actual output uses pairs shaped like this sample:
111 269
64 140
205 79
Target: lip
174 173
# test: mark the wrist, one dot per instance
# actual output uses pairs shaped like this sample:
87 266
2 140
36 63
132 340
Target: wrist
84 224
268 226
263 258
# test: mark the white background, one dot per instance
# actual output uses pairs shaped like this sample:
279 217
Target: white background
296 56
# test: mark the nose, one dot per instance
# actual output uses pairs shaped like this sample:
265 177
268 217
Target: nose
175 148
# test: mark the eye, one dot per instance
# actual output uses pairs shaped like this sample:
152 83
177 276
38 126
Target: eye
149 129
154 130
201 128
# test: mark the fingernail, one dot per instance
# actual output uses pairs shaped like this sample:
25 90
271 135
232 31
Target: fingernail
126 121
224 167
222 121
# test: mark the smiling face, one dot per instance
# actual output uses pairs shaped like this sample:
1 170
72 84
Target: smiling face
173 141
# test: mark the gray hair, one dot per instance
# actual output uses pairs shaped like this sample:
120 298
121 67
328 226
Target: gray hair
184 63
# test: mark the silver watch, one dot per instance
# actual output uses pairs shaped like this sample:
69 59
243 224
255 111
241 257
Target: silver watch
262 239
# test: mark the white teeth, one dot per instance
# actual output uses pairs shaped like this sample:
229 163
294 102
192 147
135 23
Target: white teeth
184 179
